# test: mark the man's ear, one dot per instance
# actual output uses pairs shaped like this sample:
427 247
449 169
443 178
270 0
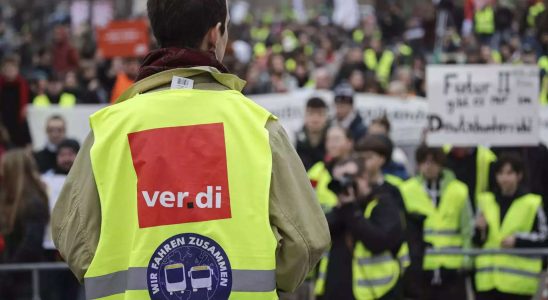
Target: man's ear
213 35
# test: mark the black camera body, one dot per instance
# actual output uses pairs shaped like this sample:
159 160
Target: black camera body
343 185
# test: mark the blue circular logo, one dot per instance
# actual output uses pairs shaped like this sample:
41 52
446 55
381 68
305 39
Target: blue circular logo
189 267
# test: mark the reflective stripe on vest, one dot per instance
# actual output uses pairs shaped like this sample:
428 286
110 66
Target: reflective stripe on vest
135 279
485 20
164 168
508 273
443 223
382 67
66 100
320 178
373 275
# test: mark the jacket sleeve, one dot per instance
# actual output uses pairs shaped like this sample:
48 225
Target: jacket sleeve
76 218
296 217
538 237
382 231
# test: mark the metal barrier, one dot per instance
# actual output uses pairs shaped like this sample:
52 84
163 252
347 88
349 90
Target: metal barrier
35 268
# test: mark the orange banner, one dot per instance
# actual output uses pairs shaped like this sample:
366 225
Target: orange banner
124 39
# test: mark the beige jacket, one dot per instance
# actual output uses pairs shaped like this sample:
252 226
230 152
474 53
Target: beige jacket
295 215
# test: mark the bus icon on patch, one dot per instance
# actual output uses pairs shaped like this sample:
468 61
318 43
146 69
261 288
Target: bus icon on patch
175 278
200 278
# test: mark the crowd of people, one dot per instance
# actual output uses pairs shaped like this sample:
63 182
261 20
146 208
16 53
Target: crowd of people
459 198
383 215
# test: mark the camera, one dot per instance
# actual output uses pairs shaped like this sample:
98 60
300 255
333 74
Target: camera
343 185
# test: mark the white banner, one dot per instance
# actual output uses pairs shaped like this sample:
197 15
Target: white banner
483 105
544 125
408 117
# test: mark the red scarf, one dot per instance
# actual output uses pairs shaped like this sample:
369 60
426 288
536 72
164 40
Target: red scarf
23 93
171 58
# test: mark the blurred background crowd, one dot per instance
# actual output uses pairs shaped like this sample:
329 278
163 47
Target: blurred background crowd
50 56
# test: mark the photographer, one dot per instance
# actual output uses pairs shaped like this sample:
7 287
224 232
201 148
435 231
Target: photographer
367 232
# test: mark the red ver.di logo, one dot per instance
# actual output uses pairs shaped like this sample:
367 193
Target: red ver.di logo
181 174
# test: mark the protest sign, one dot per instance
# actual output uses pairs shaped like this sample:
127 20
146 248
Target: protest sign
408 117
544 125
124 39
483 105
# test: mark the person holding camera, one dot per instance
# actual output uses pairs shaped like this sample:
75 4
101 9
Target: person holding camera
367 231
443 201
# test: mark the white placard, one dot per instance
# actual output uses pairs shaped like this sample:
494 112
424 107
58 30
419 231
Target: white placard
483 105
544 124
408 116
54 184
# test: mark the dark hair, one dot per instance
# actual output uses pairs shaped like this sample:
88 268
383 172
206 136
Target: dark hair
316 103
70 144
184 23
423 152
512 159
383 121
378 144
351 160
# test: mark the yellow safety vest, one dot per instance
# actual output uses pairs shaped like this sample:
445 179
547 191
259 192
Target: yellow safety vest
183 178
484 158
320 178
512 274
358 36
372 275
260 34
393 180
533 13
382 67
543 64
442 227
484 20
66 100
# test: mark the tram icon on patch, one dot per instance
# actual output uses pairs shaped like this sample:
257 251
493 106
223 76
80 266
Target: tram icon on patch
189 267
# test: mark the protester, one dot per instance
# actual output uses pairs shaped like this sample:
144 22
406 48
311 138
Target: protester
59 284
203 137
311 139
382 126
443 200
14 95
509 218
56 129
24 216
55 94
346 115
366 231
126 78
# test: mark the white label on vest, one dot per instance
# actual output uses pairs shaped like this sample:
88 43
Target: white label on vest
181 83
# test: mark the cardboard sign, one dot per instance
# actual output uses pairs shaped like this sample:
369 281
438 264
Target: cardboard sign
124 39
483 105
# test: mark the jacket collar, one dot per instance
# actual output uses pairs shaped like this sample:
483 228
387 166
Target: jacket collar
163 79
